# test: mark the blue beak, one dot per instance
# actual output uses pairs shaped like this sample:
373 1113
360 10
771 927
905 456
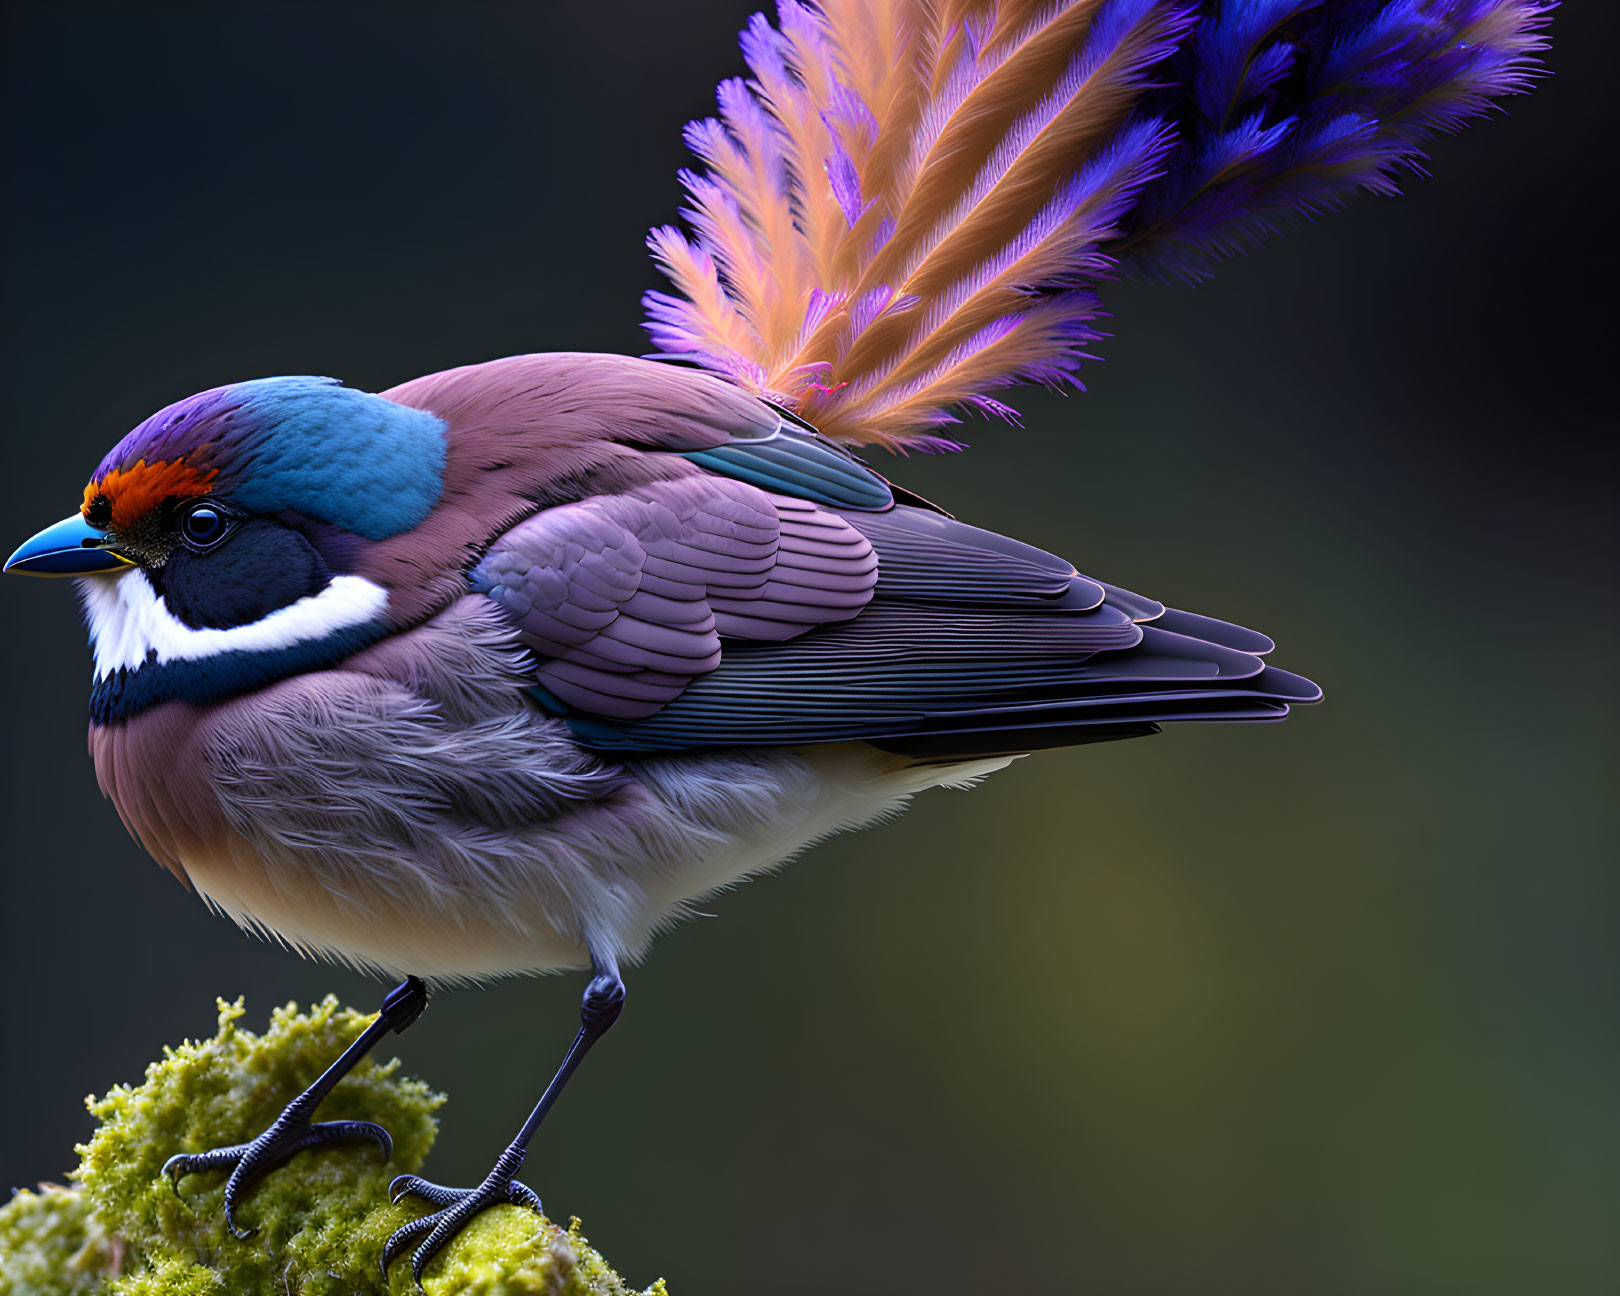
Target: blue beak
70 548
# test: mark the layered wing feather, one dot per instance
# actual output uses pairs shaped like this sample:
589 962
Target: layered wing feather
910 203
625 598
708 613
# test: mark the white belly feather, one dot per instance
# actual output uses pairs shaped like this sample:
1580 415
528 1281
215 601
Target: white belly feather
542 917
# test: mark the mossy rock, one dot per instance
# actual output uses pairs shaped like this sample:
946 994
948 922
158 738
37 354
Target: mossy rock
121 1228
51 1245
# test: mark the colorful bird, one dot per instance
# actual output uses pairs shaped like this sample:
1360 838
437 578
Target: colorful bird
501 669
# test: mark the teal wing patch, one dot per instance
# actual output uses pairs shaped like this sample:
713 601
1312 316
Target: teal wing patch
798 462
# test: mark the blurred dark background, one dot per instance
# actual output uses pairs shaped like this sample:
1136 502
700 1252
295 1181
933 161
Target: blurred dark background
1329 1007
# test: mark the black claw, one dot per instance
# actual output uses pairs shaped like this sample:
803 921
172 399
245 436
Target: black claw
523 1195
457 1206
249 1162
403 1237
182 1164
435 1194
402 1186
354 1131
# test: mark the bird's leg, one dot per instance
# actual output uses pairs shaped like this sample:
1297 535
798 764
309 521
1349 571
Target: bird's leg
599 1009
292 1131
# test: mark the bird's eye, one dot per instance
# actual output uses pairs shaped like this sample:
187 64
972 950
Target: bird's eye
204 526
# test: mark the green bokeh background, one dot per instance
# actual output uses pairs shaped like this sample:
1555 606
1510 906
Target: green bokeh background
1328 1007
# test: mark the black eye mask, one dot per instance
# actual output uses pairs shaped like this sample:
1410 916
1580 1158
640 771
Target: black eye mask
259 567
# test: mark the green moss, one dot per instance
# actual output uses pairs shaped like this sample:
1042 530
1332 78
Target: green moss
51 1245
121 1229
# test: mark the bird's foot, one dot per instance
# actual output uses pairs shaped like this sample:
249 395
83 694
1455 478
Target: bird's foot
289 1133
457 1208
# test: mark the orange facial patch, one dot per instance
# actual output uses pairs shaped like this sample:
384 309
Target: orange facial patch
132 493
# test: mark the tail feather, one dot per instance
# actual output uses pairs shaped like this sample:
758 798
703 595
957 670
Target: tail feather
902 207
1293 105
911 203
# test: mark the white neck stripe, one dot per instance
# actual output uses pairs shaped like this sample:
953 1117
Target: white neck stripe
129 622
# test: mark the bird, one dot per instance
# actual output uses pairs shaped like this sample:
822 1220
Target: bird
504 669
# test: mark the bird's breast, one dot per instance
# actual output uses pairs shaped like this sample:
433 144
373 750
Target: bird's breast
413 810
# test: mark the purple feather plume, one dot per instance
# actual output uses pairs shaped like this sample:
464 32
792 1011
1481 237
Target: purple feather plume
911 205
1289 106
